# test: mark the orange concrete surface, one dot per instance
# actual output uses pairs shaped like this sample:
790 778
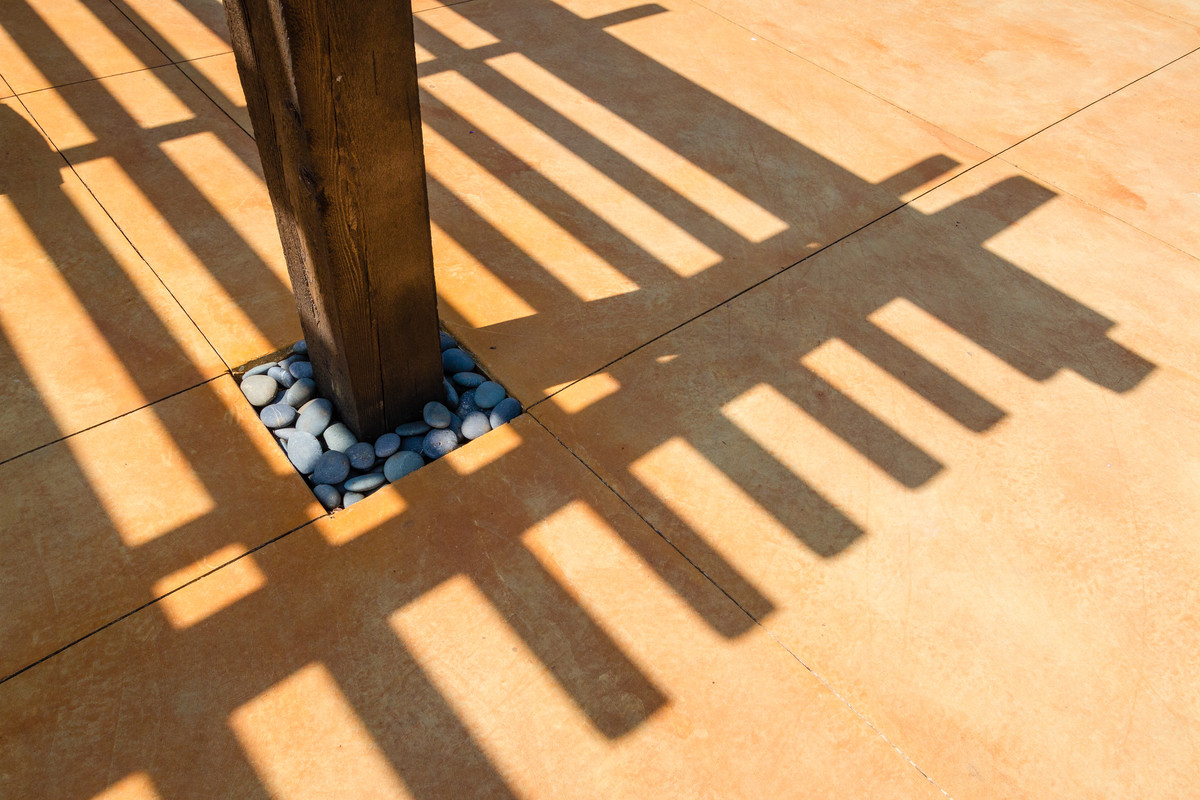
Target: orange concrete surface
862 446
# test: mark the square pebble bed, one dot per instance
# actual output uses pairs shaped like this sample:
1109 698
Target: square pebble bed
342 470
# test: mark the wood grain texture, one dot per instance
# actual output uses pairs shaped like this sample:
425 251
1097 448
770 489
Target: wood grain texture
331 88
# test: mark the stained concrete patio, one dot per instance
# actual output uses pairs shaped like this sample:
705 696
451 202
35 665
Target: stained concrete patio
862 453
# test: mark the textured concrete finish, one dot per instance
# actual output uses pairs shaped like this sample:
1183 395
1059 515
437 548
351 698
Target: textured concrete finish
862 447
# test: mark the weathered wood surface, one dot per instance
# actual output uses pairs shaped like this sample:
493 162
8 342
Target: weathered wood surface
331 87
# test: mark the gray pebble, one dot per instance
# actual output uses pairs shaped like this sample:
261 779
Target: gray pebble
261 369
277 415
361 454
475 425
313 402
281 376
339 437
387 444
315 416
300 348
455 360
301 369
332 467
283 433
436 415
402 463
456 425
287 362
351 498
438 443
303 450
468 380
300 393
506 411
412 429
259 389
451 393
466 404
330 497
447 340
488 394
413 443
365 483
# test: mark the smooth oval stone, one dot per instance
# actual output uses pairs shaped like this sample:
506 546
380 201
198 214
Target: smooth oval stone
418 428
413 443
365 483
468 380
281 376
330 497
451 393
259 389
304 451
447 340
261 369
361 454
467 404
351 498
332 467
287 362
438 443
387 444
300 392
456 425
301 369
315 416
283 433
505 411
277 415
400 464
489 394
339 437
436 415
455 360
300 348
475 424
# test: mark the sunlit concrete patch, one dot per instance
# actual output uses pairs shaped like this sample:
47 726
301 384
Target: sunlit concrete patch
459 29
305 740
584 393
237 578
457 268
184 29
138 786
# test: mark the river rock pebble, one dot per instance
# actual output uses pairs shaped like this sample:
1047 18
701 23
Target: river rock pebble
413 429
300 348
277 415
475 424
281 376
283 433
315 416
300 392
365 483
386 445
438 443
361 455
259 389
413 443
436 415
488 394
402 463
350 498
301 369
466 404
468 380
303 450
261 369
447 340
330 497
455 360
451 393
505 411
339 437
332 467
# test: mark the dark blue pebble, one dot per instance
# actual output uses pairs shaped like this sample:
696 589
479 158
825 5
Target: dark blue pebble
401 464
451 393
436 415
413 443
386 445
468 380
418 428
330 497
301 369
332 467
438 443
447 340
365 483
455 360
506 411
361 455
466 404
489 394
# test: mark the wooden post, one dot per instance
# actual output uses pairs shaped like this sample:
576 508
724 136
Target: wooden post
331 87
